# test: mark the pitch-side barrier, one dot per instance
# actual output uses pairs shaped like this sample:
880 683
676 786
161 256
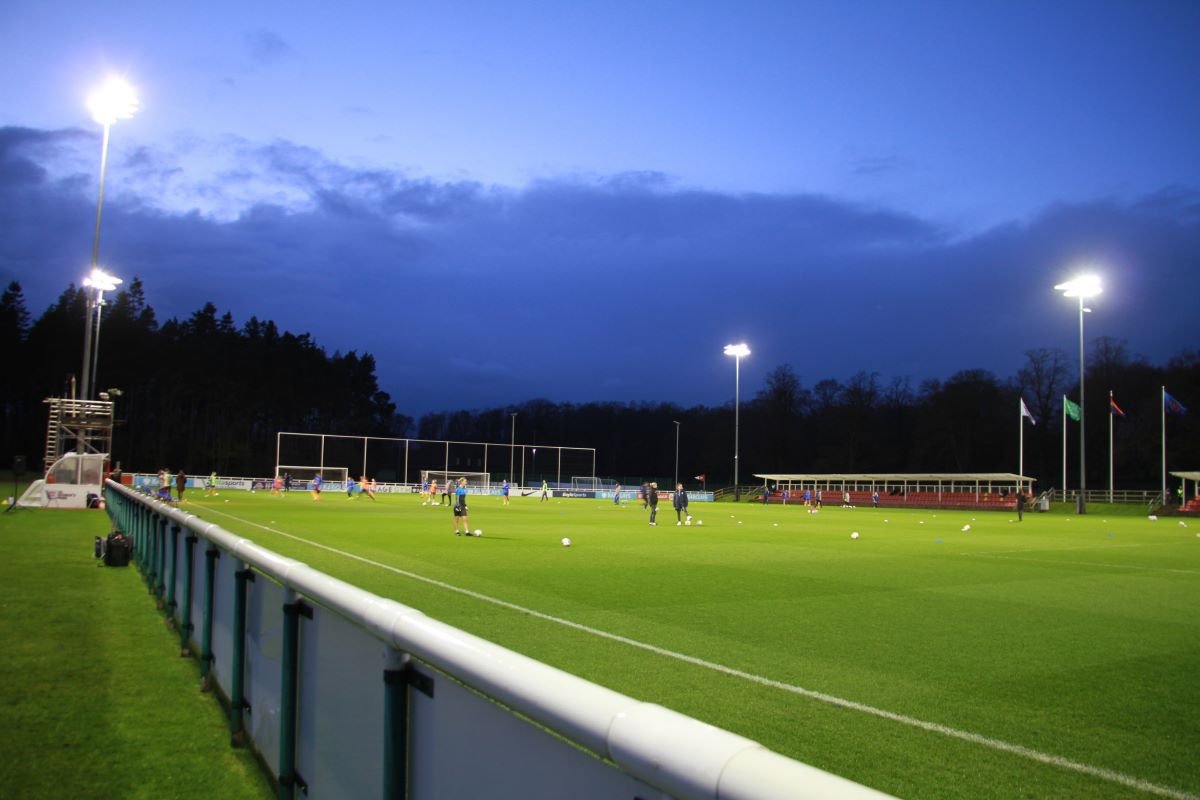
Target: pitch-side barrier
346 694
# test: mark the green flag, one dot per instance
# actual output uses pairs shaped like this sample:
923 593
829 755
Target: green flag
1071 409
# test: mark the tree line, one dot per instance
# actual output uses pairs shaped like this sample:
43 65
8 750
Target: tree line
203 393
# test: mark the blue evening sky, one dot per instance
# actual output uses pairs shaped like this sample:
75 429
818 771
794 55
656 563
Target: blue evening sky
472 191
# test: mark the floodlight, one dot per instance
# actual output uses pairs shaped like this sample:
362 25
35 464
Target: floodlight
115 100
102 281
1083 286
739 350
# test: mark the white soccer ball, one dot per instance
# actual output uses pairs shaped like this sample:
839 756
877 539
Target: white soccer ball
566 542
701 522
477 532
854 535
251 491
966 528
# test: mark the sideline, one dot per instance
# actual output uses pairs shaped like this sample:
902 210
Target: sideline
912 722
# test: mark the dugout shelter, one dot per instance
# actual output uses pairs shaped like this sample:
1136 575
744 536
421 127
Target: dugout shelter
974 490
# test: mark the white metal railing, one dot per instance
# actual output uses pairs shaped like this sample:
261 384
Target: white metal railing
347 694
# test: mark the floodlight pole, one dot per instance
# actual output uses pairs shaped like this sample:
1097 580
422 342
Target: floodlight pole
737 351
1080 502
115 100
512 447
676 453
1082 287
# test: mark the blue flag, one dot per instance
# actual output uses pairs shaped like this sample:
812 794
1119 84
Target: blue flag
1172 405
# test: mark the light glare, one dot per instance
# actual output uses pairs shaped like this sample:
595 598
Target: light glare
1083 286
738 350
99 279
115 100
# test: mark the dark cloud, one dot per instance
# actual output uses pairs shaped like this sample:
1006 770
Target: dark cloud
621 288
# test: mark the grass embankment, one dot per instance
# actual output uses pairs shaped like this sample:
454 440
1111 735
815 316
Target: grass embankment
95 700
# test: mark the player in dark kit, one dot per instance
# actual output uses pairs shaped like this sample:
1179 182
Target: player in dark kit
680 501
652 499
460 508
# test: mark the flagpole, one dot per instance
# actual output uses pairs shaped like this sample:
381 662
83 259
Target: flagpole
1021 439
1110 446
1162 409
1064 483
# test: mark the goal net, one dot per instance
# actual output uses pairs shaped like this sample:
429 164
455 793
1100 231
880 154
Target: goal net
475 480
331 477
590 483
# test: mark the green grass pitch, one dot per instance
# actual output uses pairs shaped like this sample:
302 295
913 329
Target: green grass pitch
1055 657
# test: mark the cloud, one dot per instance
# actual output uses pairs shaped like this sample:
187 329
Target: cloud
873 166
619 287
267 47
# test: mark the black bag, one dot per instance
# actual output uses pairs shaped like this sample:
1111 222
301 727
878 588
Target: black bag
117 550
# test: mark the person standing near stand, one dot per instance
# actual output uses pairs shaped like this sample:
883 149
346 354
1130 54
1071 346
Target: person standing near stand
652 499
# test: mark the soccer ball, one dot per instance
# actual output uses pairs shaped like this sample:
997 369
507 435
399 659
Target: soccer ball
854 535
477 532
699 522
566 542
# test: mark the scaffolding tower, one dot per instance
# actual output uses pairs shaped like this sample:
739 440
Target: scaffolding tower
86 426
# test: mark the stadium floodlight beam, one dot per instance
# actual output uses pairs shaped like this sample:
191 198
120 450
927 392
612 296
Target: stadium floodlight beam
738 351
1081 287
113 101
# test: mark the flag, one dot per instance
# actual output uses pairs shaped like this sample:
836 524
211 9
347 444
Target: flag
1113 408
1025 412
1172 405
700 477
1071 408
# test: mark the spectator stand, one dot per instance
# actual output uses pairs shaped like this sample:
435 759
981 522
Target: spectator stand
966 490
1189 502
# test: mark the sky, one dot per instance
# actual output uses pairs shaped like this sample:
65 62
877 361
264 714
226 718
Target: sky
585 201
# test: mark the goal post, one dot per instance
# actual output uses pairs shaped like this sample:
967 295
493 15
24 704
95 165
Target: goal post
481 481
592 483
333 477
404 461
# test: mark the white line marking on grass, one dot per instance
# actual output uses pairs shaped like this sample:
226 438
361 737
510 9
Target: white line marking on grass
932 727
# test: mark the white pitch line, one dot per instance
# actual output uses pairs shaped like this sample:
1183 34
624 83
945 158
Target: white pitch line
932 727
